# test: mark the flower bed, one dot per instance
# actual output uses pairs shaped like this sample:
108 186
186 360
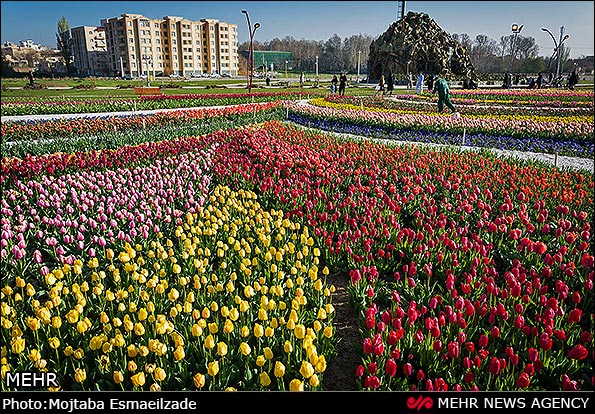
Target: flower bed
574 139
143 103
199 263
469 272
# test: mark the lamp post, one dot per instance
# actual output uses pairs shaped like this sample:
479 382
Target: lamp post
359 58
516 29
558 48
317 71
251 30
148 59
286 78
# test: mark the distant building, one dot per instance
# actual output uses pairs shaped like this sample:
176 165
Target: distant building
90 51
139 46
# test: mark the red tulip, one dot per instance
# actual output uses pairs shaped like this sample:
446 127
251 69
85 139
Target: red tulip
391 367
579 352
523 381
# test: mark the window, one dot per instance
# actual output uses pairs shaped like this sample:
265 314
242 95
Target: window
131 40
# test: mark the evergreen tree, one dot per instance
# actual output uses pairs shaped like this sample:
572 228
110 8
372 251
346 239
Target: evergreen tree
65 44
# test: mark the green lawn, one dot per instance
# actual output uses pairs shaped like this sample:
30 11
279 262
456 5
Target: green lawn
94 89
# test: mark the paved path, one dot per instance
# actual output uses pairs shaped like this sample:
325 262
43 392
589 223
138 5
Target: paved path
45 117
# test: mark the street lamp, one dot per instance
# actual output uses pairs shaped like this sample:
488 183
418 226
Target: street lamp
251 30
148 59
359 57
557 48
317 71
286 78
516 29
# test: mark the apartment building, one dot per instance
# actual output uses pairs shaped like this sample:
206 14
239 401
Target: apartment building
90 51
139 46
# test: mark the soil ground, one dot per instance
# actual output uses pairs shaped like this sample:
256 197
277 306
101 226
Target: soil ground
340 373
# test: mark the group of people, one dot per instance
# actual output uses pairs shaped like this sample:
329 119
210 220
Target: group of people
539 82
435 84
338 85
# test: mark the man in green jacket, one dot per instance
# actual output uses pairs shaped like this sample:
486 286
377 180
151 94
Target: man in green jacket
441 86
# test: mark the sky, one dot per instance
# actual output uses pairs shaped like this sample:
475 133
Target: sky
319 20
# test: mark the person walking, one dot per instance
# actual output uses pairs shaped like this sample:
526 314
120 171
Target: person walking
430 83
342 83
390 84
380 86
441 86
573 79
409 81
419 86
539 80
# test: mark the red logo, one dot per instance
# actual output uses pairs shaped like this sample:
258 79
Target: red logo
420 403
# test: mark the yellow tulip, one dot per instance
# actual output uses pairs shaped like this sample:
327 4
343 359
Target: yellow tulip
221 348
279 370
34 355
106 348
80 375
300 331
296 385
228 326
54 342
268 353
209 342
306 369
32 323
328 331
260 360
118 377
213 368
199 380
179 353
79 353
131 366
139 329
72 316
213 328
245 349
196 330
287 347
314 382
132 350
138 380
320 364
258 330
265 380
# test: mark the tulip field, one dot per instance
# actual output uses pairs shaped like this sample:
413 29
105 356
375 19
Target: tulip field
191 250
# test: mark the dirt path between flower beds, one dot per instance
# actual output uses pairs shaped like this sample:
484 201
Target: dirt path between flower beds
340 372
